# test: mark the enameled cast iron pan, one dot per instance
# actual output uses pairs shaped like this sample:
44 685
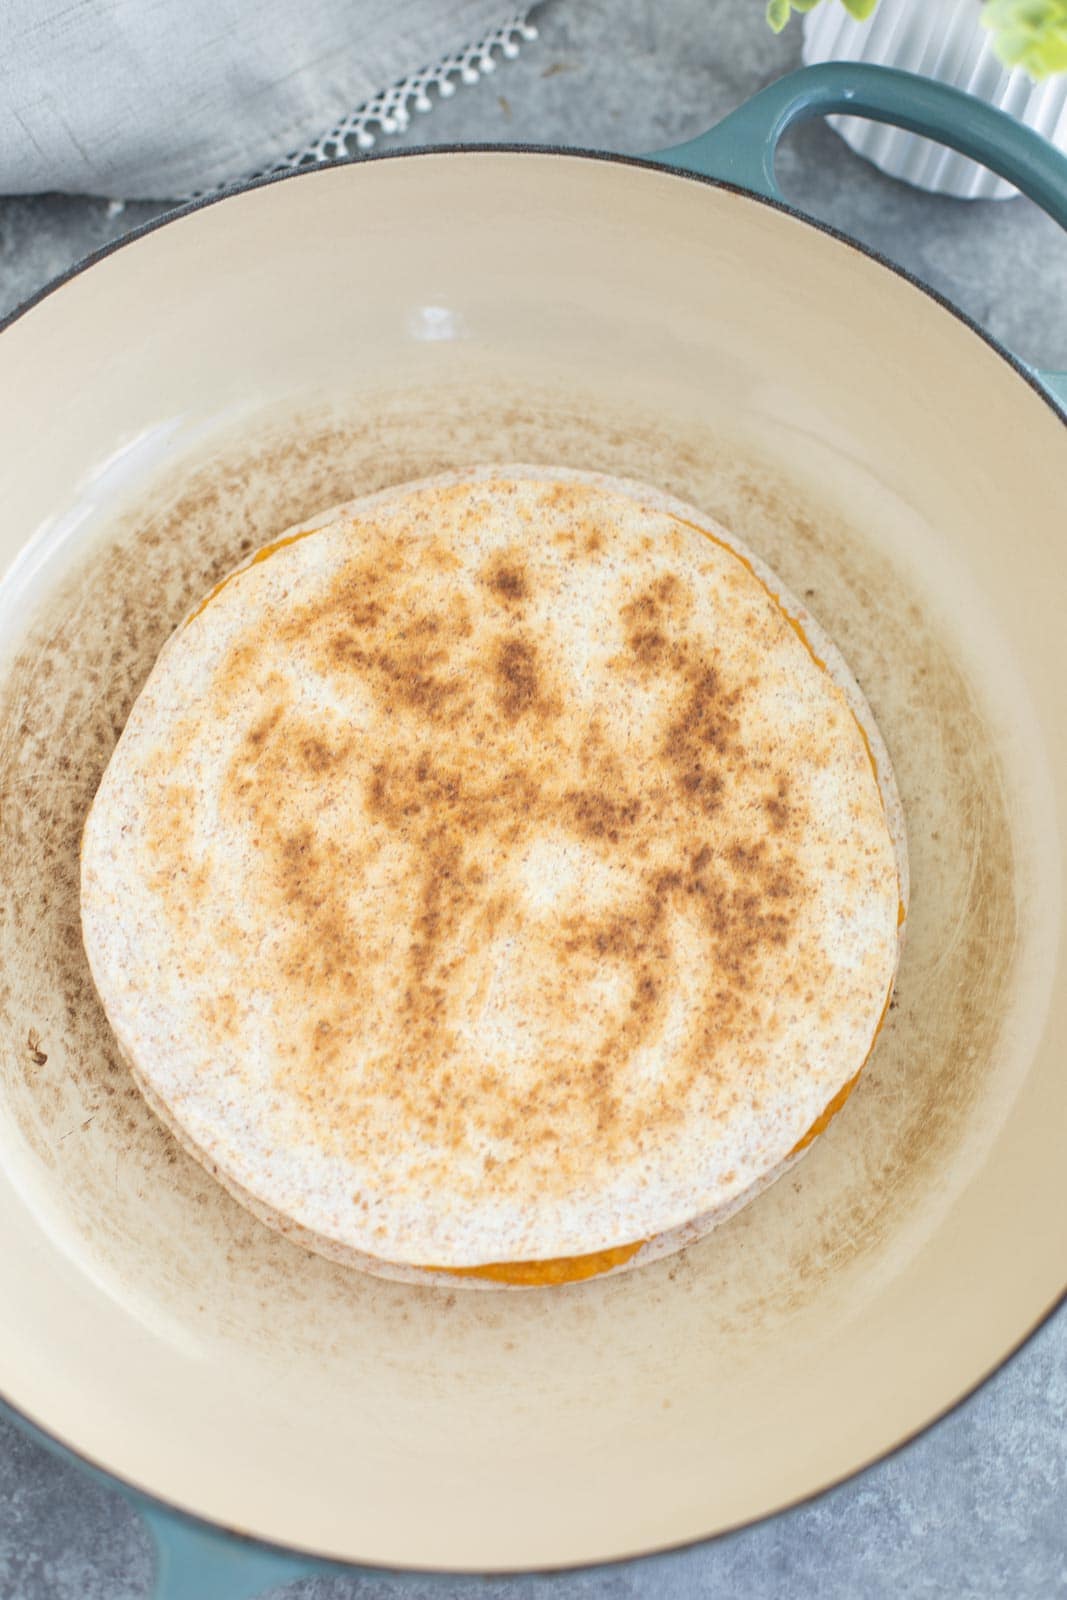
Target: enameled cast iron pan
251 361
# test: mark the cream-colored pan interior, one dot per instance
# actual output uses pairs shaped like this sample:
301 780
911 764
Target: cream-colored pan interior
211 383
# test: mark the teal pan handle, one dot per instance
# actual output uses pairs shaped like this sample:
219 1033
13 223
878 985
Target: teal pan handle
741 149
194 1560
198 1562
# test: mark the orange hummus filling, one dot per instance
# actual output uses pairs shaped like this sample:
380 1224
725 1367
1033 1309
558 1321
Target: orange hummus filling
574 1269
265 554
562 1269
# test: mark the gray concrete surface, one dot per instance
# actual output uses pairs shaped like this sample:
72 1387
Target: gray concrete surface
977 1508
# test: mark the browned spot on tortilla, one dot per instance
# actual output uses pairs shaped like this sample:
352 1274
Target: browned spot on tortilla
776 804
506 576
518 677
594 814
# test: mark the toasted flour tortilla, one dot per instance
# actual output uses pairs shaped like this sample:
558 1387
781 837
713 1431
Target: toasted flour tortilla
499 879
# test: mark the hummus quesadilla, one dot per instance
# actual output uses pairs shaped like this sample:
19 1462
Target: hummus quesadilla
499 880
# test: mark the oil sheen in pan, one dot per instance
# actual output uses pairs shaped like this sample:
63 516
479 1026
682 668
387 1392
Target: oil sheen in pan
143 1217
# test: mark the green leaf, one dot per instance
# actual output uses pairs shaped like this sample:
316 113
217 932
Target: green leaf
1029 33
779 11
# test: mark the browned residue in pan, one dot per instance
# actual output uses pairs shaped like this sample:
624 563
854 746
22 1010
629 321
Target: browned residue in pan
147 1212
